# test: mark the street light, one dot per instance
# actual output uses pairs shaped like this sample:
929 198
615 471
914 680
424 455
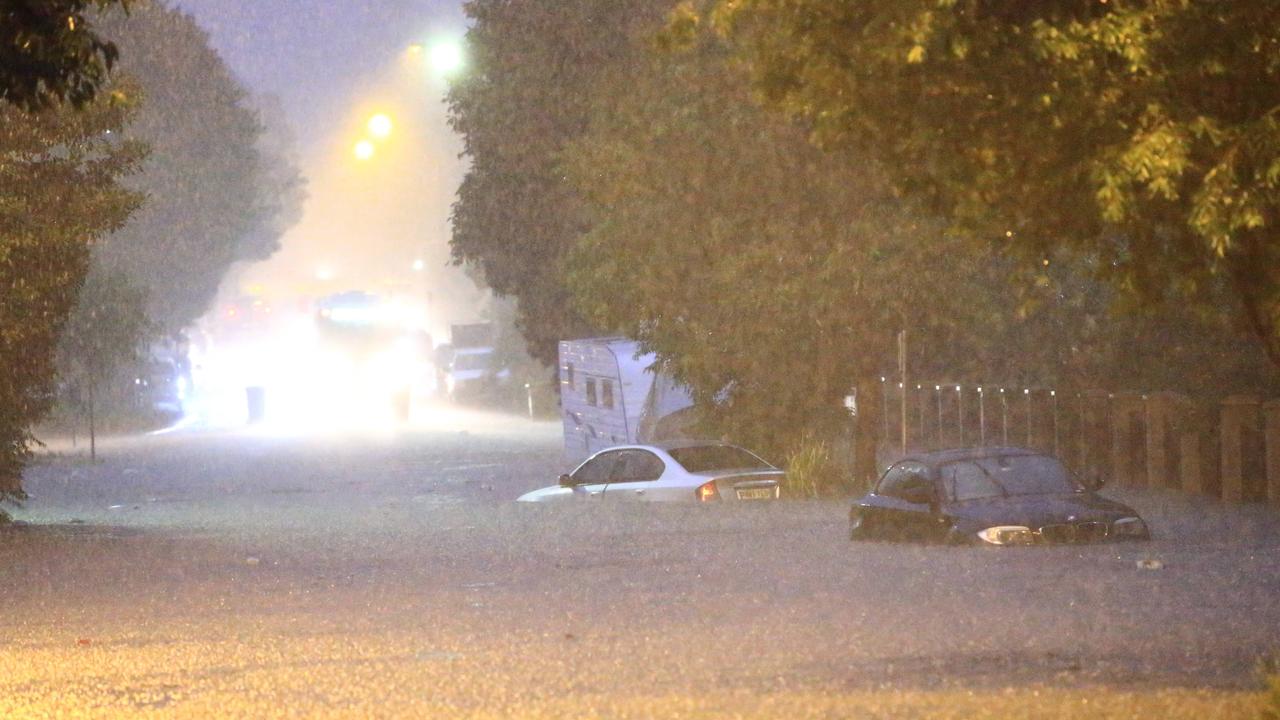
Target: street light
380 126
364 150
447 57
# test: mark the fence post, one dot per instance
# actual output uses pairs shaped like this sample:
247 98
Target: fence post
1190 474
1271 411
1166 413
1094 434
1239 414
1127 467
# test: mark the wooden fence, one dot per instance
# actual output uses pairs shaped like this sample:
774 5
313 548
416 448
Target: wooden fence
1229 449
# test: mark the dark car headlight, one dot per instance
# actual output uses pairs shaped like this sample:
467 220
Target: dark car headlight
1130 527
1008 535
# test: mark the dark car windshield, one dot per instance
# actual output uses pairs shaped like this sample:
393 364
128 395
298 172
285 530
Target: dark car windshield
702 458
1006 475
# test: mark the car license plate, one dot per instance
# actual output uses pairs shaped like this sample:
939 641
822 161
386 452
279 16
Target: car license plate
756 494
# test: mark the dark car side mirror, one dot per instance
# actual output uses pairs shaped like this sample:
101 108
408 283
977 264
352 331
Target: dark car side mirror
566 481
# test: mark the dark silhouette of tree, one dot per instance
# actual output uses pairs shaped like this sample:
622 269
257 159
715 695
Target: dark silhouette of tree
50 52
107 331
60 190
527 92
218 191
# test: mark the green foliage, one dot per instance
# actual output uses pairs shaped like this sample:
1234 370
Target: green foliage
533 67
49 52
60 190
768 275
628 172
1272 710
812 471
1141 135
107 329
1269 670
216 195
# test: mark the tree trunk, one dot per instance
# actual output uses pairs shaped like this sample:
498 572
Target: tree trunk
1258 285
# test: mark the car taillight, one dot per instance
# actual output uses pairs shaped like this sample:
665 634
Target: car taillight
707 491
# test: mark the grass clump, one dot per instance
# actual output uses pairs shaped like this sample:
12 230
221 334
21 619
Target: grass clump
1269 669
812 471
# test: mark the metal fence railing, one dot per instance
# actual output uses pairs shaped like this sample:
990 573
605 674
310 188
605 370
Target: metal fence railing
1228 448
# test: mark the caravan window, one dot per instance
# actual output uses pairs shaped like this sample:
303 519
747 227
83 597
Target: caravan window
591 392
606 391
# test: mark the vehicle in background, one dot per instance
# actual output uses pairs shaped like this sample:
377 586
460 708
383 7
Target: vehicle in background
995 496
471 369
369 354
610 394
160 388
692 472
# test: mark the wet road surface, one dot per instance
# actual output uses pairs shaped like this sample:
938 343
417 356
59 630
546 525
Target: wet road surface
257 574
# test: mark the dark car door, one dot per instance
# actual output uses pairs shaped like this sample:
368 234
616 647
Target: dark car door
902 505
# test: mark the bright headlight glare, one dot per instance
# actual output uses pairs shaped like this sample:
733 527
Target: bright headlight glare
1129 527
1008 535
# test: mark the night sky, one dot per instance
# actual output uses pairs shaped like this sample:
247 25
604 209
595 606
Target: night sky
332 65
316 56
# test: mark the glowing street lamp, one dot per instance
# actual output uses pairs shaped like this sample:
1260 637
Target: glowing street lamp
380 126
364 150
447 57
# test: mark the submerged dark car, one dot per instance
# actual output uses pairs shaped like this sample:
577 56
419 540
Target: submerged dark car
1000 496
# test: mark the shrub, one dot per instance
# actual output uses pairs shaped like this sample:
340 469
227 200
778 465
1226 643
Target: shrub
812 471
1270 667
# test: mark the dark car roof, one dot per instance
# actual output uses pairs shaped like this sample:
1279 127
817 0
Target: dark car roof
939 457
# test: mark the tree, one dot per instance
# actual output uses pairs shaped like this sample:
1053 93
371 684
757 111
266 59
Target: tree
527 92
49 52
60 190
1145 135
769 276
215 195
106 332
281 191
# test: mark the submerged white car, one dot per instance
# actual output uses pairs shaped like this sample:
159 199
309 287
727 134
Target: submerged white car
693 472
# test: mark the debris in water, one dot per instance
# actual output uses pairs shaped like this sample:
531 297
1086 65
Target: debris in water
1149 564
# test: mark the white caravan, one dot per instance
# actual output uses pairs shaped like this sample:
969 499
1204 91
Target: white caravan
608 396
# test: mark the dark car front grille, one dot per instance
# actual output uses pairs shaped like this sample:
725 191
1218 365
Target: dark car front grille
1074 533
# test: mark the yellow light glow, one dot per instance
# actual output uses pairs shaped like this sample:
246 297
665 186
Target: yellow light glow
364 150
380 126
